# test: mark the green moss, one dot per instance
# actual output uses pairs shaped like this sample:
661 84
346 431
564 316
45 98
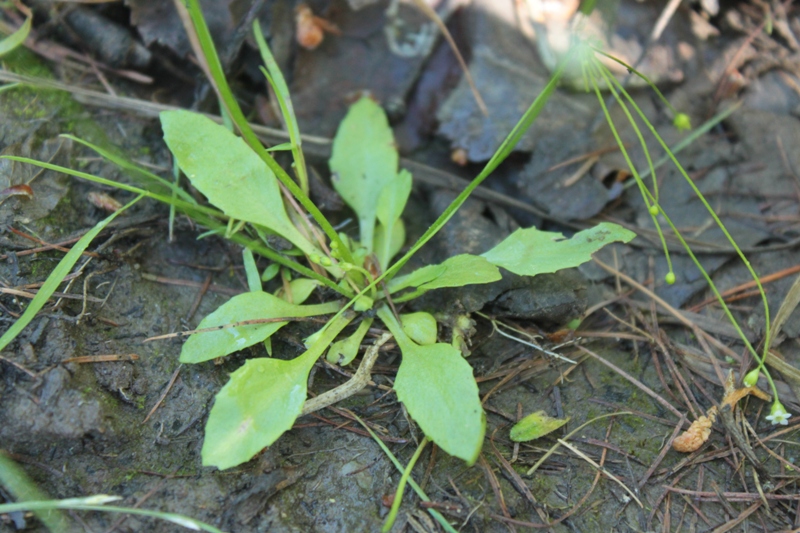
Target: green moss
541 487
23 61
57 107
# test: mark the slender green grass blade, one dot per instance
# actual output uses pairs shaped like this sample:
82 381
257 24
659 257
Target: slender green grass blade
134 170
89 504
278 83
58 274
505 149
203 215
188 207
18 37
16 481
397 464
401 488
251 270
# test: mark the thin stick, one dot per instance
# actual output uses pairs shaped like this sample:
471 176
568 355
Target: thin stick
732 496
667 447
589 460
526 343
749 285
46 245
199 298
359 380
552 450
163 394
630 281
18 366
431 14
189 283
110 358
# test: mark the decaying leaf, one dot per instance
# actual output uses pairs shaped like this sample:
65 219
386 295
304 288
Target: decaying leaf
17 190
697 434
310 28
700 430
104 202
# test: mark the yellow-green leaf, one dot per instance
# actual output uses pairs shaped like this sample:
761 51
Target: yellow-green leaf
363 161
535 425
233 178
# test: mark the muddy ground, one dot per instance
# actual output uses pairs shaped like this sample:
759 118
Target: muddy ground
83 428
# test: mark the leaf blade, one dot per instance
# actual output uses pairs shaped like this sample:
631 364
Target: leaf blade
231 176
436 385
236 430
14 40
529 252
260 402
534 426
247 306
457 271
364 160
57 275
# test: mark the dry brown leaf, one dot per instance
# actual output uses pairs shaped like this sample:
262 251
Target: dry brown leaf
697 434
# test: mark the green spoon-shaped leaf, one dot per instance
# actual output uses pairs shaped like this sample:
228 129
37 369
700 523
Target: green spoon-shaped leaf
259 403
459 270
233 178
529 252
363 161
436 385
248 306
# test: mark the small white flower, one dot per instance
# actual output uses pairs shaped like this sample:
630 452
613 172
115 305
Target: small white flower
778 414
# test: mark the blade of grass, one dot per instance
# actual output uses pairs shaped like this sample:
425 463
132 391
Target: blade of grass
18 37
130 167
397 464
278 83
16 481
401 487
54 279
90 503
176 175
180 204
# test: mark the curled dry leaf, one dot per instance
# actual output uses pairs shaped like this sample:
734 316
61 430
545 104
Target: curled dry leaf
17 190
310 28
104 202
697 434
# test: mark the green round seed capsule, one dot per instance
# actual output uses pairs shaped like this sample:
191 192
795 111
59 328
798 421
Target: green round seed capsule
682 122
654 210
670 278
